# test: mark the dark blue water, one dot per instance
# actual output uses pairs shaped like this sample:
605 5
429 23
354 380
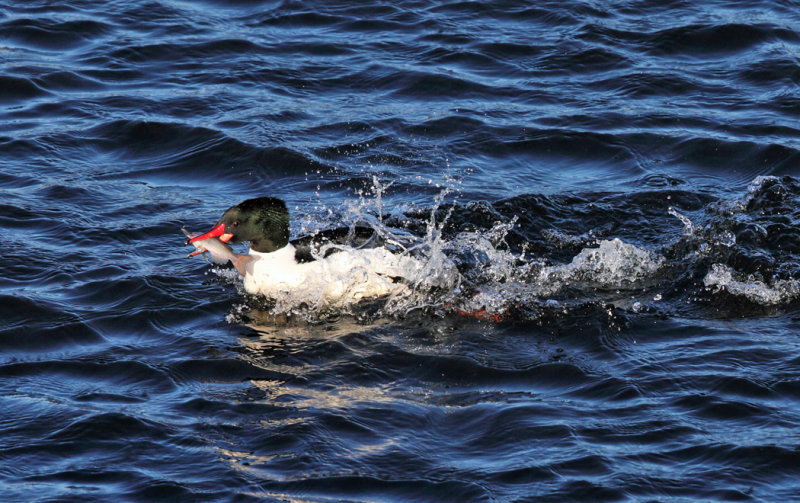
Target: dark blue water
617 185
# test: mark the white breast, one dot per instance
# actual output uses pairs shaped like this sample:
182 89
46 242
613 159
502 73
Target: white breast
344 277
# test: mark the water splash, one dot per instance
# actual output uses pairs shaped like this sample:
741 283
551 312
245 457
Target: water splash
462 259
407 272
723 278
688 226
471 272
614 264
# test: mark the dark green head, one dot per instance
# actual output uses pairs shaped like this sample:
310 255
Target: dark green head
264 221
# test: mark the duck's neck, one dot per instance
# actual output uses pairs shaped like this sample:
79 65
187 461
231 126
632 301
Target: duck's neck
267 245
286 252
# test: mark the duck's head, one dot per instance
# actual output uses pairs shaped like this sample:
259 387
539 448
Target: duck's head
264 221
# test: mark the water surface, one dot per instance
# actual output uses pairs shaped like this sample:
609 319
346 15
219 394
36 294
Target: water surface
615 184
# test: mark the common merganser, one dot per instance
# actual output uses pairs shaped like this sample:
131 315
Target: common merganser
276 267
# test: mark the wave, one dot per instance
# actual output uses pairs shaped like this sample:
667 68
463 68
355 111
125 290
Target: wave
50 34
13 89
172 150
695 40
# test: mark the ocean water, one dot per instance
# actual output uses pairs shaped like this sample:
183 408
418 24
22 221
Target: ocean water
614 187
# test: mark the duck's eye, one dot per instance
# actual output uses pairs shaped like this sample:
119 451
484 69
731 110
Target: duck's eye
236 223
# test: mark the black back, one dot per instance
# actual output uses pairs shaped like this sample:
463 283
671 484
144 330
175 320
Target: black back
356 237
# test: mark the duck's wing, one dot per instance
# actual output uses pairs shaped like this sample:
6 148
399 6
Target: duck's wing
355 237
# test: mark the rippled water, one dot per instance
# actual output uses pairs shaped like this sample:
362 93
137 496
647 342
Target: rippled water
616 186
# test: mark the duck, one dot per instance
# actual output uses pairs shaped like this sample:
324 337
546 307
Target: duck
334 266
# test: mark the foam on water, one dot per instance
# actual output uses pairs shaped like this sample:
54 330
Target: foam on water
724 278
613 264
